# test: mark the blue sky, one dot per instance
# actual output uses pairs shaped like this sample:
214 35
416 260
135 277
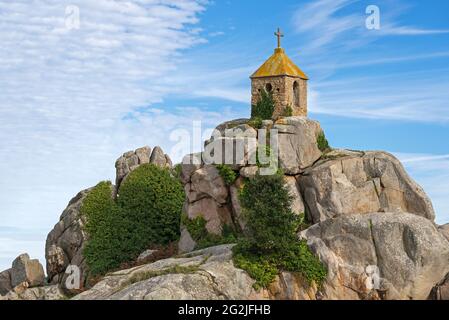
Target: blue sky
73 100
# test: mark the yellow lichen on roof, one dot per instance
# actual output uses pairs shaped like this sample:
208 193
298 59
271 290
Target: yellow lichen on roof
279 64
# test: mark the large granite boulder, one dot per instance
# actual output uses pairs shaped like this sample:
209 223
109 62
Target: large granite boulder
379 255
207 182
5 282
360 182
132 159
65 243
298 147
26 270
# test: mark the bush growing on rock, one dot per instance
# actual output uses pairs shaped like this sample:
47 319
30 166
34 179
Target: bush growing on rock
104 247
264 108
322 142
203 239
271 243
147 212
229 176
151 202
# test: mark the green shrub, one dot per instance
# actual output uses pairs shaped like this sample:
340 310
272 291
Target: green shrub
147 212
266 204
151 202
103 250
177 170
204 239
265 150
270 244
229 176
322 142
258 267
288 111
255 122
264 108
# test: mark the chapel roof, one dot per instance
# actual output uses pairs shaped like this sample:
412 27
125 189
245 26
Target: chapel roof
279 64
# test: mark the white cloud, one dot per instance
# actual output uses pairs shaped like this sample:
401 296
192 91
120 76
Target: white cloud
64 95
391 30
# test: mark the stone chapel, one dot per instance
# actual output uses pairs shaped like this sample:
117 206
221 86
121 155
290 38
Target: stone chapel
286 82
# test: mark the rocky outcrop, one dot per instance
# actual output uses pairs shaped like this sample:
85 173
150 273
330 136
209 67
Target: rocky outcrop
23 292
132 159
298 147
444 229
379 256
25 277
324 186
207 274
368 256
26 270
65 243
372 226
235 143
360 182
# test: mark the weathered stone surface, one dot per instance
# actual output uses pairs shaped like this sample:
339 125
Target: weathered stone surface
5 282
23 292
290 286
186 243
132 159
168 162
25 270
236 151
143 154
267 124
293 187
124 165
444 229
298 147
411 256
215 214
361 183
209 274
158 157
147 254
190 163
65 243
208 182
230 124
249 172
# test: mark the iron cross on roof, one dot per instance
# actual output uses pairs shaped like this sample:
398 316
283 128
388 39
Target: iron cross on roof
279 35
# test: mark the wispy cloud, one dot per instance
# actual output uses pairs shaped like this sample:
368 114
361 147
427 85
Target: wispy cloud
65 92
391 30
319 20
331 31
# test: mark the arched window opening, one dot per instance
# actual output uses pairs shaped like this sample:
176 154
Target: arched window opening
296 94
269 87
